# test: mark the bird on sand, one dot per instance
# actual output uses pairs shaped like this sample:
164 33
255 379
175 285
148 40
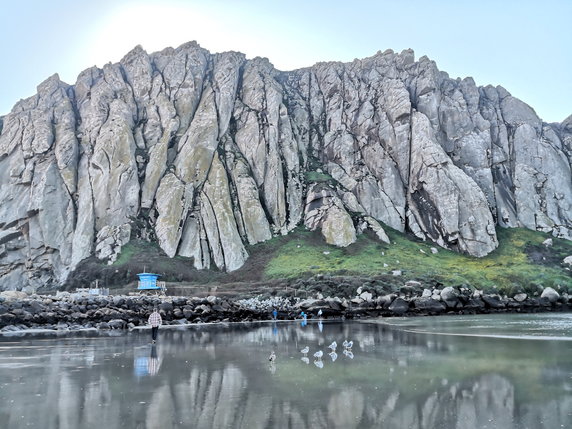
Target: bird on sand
272 356
318 355
305 350
348 344
333 346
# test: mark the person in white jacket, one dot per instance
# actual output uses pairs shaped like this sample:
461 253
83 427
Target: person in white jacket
155 321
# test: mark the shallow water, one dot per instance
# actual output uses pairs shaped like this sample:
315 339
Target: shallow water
501 371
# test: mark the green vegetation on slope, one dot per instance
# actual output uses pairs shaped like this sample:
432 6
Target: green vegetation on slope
521 263
517 263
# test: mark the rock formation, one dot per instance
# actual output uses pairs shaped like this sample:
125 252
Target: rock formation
206 153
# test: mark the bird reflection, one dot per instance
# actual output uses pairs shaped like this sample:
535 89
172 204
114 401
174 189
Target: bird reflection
348 353
333 356
305 360
320 326
319 363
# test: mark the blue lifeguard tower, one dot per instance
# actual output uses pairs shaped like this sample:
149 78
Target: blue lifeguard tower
148 282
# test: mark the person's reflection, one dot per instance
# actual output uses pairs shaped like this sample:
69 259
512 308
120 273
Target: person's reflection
154 363
320 326
274 328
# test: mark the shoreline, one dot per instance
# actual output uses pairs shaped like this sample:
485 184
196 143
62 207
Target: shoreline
79 312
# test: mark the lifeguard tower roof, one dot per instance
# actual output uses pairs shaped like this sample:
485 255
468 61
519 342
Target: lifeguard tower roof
148 281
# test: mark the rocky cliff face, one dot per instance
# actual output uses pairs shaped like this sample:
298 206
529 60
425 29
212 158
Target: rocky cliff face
206 153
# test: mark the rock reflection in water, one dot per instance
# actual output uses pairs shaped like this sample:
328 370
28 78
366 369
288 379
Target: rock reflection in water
214 376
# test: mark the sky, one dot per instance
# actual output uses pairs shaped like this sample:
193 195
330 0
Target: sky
524 46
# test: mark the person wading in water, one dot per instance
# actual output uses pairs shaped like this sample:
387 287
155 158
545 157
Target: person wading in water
155 321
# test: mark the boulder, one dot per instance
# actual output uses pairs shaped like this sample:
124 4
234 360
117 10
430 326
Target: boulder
366 296
334 303
117 324
203 309
399 306
550 294
474 304
449 294
325 210
428 305
520 297
13 295
166 307
436 295
212 299
427 293
385 300
493 301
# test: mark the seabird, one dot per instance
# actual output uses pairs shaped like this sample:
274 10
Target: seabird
305 350
318 355
272 357
333 346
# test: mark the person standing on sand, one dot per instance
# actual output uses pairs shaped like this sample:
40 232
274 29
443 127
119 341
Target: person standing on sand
155 321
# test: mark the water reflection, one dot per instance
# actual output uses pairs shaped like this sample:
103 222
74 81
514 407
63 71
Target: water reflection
148 362
214 376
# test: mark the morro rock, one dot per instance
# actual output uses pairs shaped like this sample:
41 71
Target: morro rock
207 153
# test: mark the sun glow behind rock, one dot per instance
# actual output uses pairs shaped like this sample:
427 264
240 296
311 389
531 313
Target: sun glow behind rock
154 27
217 29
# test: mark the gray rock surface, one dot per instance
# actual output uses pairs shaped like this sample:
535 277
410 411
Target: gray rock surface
206 153
550 294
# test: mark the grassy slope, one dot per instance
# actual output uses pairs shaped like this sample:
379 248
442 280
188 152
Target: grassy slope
520 263
511 266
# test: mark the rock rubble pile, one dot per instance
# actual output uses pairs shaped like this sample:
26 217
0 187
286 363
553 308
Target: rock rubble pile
66 311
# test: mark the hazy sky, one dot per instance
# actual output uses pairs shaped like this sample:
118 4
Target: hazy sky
522 45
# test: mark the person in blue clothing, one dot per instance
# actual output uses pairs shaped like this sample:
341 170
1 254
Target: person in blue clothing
274 314
304 317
